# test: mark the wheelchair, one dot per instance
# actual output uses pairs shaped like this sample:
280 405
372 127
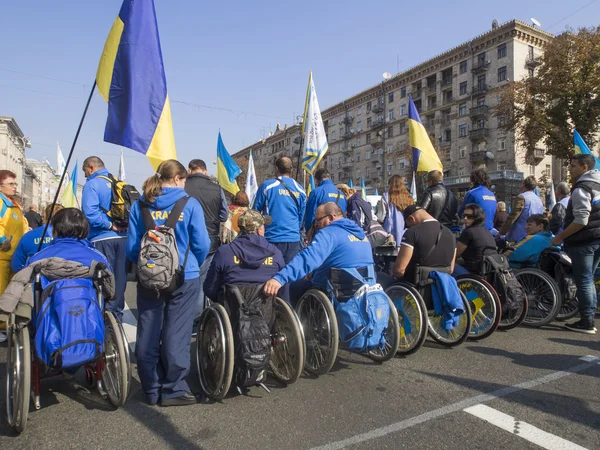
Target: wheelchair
110 374
317 315
215 346
486 309
556 263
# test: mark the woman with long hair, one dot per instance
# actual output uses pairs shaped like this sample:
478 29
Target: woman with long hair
230 229
395 200
165 319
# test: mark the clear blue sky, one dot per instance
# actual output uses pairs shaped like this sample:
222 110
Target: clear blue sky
232 55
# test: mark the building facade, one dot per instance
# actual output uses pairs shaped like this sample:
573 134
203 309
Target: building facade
455 94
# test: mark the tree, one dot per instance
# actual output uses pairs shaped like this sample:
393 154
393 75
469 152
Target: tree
563 94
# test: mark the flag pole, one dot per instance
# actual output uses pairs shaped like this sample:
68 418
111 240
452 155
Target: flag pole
300 155
67 165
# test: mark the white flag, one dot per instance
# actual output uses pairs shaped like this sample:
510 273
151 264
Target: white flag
251 184
61 165
122 168
413 188
315 139
552 197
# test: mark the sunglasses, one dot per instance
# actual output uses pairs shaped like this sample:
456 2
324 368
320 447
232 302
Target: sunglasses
318 219
9 184
468 216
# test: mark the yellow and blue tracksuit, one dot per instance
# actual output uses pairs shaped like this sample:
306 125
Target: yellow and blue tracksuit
12 224
527 251
29 245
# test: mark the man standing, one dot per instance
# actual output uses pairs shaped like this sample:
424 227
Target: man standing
581 237
109 239
284 200
481 195
211 197
439 201
524 205
325 192
33 218
559 211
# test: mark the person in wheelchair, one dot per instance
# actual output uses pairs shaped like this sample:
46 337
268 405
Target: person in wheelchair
526 252
249 259
339 243
475 242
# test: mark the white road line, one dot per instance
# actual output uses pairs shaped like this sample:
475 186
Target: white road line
130 327
590 358
522 429
449 409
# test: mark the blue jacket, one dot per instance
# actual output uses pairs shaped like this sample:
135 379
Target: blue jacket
326 192
190 229
340 245
28 246
446 298
72 249
249 259
482 196
394 221
274 200
95 202
533 205
527 250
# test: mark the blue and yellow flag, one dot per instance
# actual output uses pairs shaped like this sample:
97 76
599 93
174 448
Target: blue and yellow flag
131 78
350 183
315 139
311 185
376 191
425 157
581 147
227 169
362 188
69 197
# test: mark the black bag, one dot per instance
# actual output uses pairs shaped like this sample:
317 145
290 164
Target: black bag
511 293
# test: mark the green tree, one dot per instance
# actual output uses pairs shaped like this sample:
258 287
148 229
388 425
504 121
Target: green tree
563 94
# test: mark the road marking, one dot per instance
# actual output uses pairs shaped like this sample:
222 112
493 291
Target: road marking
522 429
130 327
455 407
590 358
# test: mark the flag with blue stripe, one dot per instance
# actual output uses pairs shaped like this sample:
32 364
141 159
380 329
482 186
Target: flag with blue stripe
227 169
425 158
315 139
580 147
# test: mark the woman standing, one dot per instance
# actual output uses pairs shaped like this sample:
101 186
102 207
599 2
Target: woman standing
500 216
165 323
395 200
230 229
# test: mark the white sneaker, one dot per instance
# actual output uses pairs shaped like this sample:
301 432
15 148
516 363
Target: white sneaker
3 337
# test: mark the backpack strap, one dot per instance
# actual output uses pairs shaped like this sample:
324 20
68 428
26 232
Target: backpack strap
149 222
291 193
175 213
337 199
434 245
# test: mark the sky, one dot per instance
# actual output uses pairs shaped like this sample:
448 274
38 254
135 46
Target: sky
236 66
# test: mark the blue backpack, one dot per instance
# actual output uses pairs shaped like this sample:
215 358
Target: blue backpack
70 324
363 318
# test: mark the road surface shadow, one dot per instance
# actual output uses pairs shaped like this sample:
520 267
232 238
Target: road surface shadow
592 345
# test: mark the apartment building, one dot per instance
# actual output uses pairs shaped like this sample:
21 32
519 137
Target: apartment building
455 93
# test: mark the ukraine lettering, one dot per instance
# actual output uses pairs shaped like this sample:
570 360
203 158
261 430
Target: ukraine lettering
266 262
47 240
488 197
353 238
286 192
163 215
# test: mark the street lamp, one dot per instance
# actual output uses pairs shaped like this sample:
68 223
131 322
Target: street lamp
26 143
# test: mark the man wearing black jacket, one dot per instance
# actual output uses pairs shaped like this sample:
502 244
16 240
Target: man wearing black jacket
439 201
211 197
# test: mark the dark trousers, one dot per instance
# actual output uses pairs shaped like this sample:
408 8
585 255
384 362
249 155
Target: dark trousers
114 251
585 262
163 340
201 304
289 251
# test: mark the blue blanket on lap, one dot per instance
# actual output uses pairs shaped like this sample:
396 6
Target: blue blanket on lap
447 300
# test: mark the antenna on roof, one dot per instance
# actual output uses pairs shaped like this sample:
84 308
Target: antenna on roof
535 22
387 75
495 24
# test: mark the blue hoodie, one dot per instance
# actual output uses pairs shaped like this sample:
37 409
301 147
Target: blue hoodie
273 199
249 259
95 202
28 246
527 251
325 193
190 229
482 196
72 249
340 245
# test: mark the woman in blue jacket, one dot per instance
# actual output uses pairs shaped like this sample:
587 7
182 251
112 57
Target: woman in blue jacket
165 323
527 251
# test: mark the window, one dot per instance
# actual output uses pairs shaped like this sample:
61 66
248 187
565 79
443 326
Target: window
391 114
367 155
462 130
359 110
402 163
340 147
368 138
480 101
448 96
462 109
501 144
390 132
332 178
501 166
501 121
481 59
501 74
340 162
532 170
340 175
359 125
403 128
391 97
480 124
358 142
402 110
357 157
403 92
368 107
357 173
463 88
462 172
431 102
368 172
333 135
501 51
481 81
463 66
548 170
447 136
389 148
369 122
390 167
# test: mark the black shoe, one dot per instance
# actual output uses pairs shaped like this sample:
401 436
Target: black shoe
581 327
186 399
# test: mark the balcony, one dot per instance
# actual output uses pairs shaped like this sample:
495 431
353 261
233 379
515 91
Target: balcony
478 157
444 121
533 61
376 143
446 82
347 135
417 93
506 175
445 144
480 66
348 120
377 108
453 181
478 134
377 123
376 159
480 88
535 156
447 100
431 88
478 111
347 165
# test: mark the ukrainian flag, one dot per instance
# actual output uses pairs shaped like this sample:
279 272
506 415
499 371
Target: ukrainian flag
311 185
131 78
227 169
425 157
362 188
581 147
69 197
350 183
315 139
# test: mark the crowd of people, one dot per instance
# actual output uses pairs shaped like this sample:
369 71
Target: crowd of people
289 241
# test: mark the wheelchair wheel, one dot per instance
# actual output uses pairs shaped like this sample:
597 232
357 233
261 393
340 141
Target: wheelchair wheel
568 309
116 375
486 309
18 377
456 335
392 338
215 351
287 348
321 331
412 317
543 296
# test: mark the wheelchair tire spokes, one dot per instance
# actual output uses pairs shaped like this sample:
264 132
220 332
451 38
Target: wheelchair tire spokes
412 317
287 350
485 305
543 296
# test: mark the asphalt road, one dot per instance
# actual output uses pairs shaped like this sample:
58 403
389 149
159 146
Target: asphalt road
518 387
